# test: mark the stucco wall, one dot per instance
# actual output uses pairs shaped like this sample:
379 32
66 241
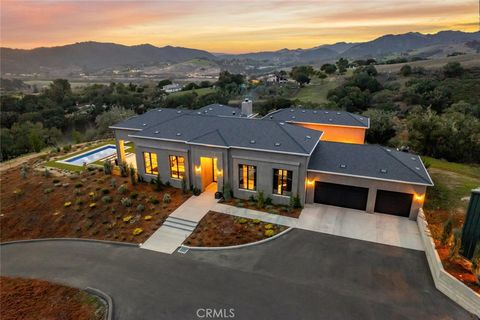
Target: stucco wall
338 133
372 185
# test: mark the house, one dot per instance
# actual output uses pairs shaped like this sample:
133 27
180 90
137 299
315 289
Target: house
174 87
317 155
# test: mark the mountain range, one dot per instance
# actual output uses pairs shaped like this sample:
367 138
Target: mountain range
94 56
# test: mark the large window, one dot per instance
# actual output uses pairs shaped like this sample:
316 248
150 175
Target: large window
151 166
247 176
177 167
282 182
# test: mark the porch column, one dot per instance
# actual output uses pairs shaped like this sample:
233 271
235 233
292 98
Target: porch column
121 151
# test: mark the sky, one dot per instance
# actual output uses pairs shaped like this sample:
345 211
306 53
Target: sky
226 26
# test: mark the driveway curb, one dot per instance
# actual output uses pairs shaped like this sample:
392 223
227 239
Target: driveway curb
240 246
105 297
71 239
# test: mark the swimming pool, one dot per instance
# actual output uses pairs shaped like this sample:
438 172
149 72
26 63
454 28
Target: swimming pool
92 155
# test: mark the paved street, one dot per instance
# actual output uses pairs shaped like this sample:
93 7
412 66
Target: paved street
302 275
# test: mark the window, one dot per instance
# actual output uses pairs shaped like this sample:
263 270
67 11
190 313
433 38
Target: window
247 176
177 167
215 170
282 182
151 166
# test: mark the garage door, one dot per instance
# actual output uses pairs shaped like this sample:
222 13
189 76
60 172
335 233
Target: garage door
341 195
396 203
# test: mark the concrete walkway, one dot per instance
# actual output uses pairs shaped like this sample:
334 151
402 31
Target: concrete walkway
379 228
181 222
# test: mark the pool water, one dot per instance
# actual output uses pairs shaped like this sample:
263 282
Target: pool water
92 155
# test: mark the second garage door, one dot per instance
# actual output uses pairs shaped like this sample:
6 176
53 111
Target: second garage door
396 203
341 195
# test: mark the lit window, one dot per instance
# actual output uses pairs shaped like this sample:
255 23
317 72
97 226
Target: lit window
247 177
150 159
282 182
215 170
177 167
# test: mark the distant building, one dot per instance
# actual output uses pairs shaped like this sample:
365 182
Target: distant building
174 87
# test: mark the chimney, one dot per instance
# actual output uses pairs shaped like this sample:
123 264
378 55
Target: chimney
247 107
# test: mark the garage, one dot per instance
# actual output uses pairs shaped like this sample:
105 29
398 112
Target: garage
341 195
395 203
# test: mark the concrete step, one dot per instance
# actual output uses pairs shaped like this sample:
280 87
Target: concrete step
178 226
185 222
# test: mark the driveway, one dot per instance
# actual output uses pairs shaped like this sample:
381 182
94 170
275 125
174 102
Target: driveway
302 275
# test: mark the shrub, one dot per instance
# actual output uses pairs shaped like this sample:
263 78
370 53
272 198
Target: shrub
268 201
105 191
256 221
476 262
269 233
252 198
260 200
147 218
457 242
92 205
133 195
78 185
167 198
24 172
196 191
268 226
137 231
106 199
91 194
67 148
123 169
184 185
140 208
47 190
157 182
127 218
295 202
67 204
91 168
242 220
227 192
140 178
122 189
133 176
47 173
154 200
447 231
79 201
113 183
55 181
126 202
107 167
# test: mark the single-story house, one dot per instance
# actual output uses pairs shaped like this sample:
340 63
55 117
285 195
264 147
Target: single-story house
174 87
317 155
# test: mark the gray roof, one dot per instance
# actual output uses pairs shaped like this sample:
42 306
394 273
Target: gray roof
235 132
152 117
220 110
328 117
369 161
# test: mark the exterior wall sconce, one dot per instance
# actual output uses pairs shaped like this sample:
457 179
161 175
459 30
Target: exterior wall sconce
310 182
419 197
220 172
198 169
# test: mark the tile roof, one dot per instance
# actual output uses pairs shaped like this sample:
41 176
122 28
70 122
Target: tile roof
234 132
328 117
370 161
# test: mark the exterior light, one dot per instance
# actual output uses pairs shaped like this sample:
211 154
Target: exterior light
419 197
220 172
198 169
310 182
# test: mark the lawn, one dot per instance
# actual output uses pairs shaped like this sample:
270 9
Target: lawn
89 204
36 299
200 92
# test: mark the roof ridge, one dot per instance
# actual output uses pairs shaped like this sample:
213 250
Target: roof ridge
221 136
353 116
288 134
398 160
209 132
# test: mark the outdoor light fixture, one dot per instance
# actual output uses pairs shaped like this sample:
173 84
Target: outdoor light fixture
220 172
310 182
198 169
419 197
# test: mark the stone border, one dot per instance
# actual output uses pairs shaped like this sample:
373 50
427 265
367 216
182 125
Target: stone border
71 239
106 299
444 282
240 245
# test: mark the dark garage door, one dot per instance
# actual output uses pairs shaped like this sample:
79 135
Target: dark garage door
341 195
396 203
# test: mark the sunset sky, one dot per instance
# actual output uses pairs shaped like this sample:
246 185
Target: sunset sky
226 26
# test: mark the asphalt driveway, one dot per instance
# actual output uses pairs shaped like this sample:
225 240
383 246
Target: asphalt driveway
302 275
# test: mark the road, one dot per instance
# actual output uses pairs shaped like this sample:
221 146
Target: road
302 275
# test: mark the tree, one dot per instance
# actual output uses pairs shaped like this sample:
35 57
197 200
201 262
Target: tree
301 74
406 70
226 78
382 126
109 118
453 69
205 84
59 91
190 86
163 83
328 68
342 65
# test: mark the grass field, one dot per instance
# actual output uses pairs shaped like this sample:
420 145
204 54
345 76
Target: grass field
200 92
317 90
